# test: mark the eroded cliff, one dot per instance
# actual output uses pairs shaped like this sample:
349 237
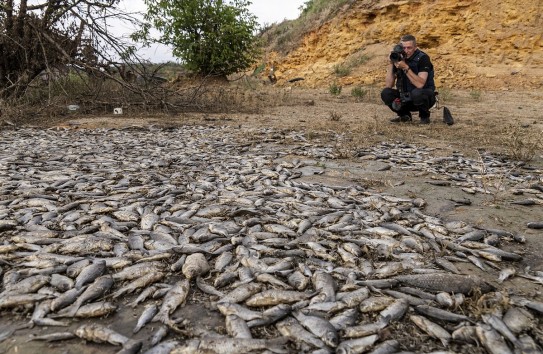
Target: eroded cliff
482 44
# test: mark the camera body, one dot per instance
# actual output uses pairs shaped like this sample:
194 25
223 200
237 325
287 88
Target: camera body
397 54
405 97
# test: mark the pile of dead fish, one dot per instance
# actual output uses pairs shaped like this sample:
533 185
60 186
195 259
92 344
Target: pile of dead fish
92 221
486 174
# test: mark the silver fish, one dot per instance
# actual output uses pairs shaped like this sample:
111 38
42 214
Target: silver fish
195 265
146 316
292 329
451 283
142 282
432 329
236 327
394 311
492 340
359 345
275 297
90 273
173 298
319 327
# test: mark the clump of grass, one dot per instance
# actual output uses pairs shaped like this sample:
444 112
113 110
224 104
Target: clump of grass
445 94
522 143
475 95
334 89
358 92
341 70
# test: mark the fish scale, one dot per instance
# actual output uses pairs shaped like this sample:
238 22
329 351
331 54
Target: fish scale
202 198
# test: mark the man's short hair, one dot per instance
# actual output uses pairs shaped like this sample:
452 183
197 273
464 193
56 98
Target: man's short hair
409 38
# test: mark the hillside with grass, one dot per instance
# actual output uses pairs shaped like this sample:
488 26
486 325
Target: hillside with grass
489 45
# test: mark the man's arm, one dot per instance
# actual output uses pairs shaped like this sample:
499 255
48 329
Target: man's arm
418 80
390 78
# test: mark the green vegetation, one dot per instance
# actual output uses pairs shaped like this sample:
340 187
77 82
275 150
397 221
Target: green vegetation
475 94
312 7
341 70
358 92
210 37
334 89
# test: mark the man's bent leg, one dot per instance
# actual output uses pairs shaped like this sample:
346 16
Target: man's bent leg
423 99
389 95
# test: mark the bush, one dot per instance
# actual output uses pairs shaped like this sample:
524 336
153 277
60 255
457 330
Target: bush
358 92
334 89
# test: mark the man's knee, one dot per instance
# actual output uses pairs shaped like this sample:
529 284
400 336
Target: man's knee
388 95
421 96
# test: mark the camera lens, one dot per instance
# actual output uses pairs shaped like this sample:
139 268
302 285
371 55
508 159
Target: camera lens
395 56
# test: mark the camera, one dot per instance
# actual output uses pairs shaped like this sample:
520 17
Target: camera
405 97
397 54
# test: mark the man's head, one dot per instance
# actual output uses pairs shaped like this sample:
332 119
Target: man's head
409 44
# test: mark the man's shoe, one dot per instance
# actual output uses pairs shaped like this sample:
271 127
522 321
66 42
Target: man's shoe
425 121
404 118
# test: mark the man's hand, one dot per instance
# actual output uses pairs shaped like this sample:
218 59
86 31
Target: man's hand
402 65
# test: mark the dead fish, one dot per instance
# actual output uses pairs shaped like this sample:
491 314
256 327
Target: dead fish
146 316
445 264
445 299
394 311
148 221
90 273
237 327
66 299
505 274
387 347
27 285
467 334
9 301
359 345
96 309
440 314
138 270
157 337
275 297
241 311
61 282
496 323
518 320
222 261
195 265
75 268
298 281
53 337
95 290
375 303
412 300
527 344
225 345
492 340
432 329
292 329
478 263
535 225
325 284
344 319
364 330
142 282
271 315
173 298
207 289
451 283
241 293
99 334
